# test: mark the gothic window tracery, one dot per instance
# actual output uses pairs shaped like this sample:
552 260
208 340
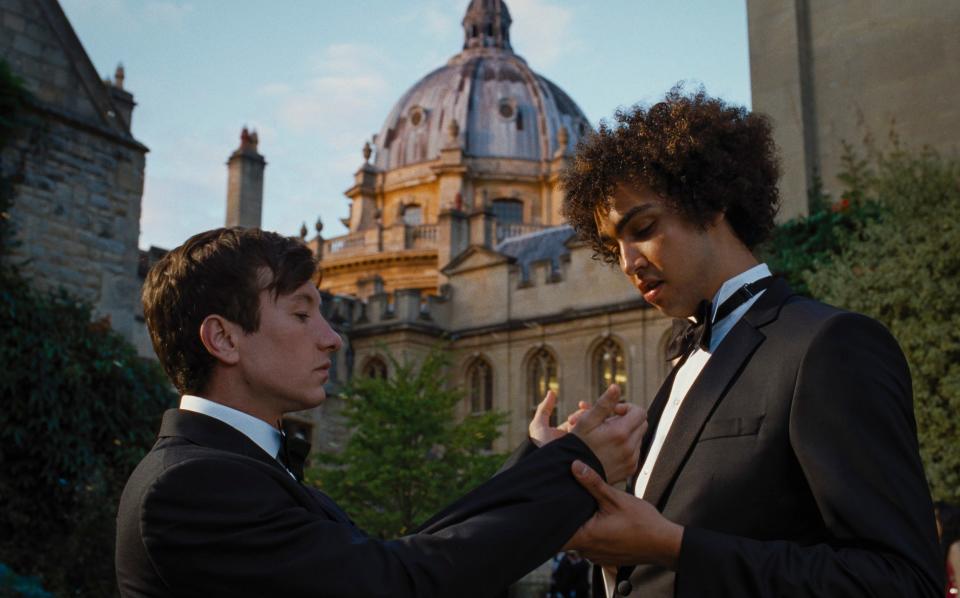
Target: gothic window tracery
609 366
480 386
541 377
375 367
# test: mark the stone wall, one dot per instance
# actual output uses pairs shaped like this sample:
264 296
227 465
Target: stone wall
834 72
78 172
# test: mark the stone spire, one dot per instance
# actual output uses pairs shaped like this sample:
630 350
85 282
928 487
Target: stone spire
487 25
245 182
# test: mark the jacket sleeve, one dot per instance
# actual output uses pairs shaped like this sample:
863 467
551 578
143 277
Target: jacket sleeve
217 541
853 432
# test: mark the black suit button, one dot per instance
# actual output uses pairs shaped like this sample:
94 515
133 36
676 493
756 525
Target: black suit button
624 588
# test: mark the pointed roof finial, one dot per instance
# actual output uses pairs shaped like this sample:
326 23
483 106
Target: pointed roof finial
487 25
318 226
303 231
367 152
118 76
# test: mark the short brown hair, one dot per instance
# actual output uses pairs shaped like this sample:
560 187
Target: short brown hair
221 271
700 154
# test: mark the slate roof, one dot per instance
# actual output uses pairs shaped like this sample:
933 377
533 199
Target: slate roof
549 244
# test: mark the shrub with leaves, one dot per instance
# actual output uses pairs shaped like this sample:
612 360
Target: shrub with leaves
802 244
904 270
408 455
78 409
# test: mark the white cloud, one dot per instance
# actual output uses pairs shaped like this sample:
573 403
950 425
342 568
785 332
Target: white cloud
541 31
346 85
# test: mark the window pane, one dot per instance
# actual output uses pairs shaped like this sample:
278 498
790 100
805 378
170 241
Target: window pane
508 211
609 367
542 376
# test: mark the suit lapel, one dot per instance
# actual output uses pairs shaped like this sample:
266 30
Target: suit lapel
709 388
210 432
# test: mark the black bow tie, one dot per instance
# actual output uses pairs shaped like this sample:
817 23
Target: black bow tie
687 335
293 453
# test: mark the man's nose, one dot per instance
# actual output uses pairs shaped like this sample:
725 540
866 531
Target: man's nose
631 259
329 340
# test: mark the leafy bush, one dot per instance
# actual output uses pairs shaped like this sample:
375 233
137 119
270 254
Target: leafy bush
78 409
904 270
802 244
407 455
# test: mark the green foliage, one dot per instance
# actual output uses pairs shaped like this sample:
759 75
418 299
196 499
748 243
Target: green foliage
407 456
903 268
78 409
799 246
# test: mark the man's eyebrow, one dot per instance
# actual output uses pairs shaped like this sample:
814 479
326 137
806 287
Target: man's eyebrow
302 298
634 211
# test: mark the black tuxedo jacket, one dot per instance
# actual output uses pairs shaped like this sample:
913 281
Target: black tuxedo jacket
208 513
793 464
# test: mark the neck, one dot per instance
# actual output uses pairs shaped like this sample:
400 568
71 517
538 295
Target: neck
226 390
732 257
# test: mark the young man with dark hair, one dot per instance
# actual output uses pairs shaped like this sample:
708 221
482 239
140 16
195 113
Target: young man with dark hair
781 457
216 507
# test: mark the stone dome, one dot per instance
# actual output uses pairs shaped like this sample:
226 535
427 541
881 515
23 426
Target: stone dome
501 108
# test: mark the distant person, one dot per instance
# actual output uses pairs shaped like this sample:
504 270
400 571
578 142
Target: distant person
571 579
781 458
948 528
217 508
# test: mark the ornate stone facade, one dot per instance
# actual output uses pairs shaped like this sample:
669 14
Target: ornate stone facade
455 239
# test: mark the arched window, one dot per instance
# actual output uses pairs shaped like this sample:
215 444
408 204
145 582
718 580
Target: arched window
609 367
508 211
375 368
541 377
480 386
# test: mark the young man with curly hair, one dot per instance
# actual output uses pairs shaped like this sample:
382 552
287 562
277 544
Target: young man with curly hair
781 456
217 508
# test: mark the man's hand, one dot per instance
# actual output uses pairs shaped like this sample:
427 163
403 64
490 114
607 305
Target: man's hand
614 440
540 431
625 530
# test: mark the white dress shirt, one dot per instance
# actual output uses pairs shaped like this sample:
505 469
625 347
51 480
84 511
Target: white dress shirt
260 432
687 375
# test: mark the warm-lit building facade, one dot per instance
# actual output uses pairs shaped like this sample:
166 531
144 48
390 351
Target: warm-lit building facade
455 238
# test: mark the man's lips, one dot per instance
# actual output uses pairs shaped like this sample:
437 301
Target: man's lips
649 289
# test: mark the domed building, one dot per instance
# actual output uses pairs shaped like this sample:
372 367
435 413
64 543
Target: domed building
455 238
469 154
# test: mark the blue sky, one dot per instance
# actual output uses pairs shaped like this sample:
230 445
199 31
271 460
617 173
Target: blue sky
317 78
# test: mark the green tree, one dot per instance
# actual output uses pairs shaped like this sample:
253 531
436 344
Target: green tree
78 409
407 455
903 268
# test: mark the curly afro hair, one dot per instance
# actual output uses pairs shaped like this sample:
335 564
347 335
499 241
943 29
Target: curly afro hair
698 153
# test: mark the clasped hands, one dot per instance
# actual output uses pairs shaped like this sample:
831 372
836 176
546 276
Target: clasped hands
625 530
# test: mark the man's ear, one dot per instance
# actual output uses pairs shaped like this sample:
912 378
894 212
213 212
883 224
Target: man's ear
717 217
219 337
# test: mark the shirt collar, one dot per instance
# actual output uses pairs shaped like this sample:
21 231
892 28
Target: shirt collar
720 329
260 432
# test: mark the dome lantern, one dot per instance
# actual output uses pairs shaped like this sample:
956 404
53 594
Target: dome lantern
487 25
